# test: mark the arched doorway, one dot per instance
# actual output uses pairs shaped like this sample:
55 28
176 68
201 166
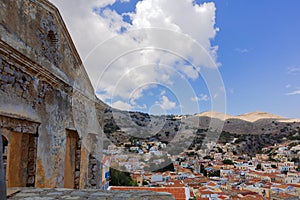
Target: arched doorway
19 140
72 160
19 158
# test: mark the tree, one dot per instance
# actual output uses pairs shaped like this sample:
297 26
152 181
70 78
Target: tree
208 157
205 172
258 166
227 162
145 182
285 172
120 178
295 160
214 173
191 153
220 150
202 168
169 167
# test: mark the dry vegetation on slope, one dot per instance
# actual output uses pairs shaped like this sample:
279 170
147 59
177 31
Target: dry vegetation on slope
251 132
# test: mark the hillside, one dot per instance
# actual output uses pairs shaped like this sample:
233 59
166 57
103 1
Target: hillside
252 131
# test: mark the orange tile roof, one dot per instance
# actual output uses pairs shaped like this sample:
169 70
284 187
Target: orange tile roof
192 194
211 184
175 185
177 192
223 196
207 192
188 180
295 185
174 181
281 186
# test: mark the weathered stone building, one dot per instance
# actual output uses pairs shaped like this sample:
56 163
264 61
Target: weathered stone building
50 118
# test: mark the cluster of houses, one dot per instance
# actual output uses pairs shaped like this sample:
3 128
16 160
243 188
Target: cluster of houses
221 174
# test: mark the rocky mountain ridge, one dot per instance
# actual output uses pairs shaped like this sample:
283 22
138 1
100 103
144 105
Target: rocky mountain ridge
252 131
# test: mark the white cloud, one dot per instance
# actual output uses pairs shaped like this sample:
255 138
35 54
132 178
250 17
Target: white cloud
296 92
121 105
201 97
293 70
190 71
166 103
186 22
195 99
242 51
135 105
204 97
114 21
163 92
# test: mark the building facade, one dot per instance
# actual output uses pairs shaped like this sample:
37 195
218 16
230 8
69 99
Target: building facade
50 118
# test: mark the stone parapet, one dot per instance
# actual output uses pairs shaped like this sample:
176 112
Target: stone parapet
91 194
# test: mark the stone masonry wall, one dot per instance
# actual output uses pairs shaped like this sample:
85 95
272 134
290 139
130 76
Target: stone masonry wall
31 170
77 164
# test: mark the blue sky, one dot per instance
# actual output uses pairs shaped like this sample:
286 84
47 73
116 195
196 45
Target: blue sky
258 52
259 43
259 46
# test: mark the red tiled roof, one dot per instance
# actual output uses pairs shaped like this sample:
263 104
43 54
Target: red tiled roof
177 192
295 185
281 186
211 184
192 193
175 185
188 180
207 192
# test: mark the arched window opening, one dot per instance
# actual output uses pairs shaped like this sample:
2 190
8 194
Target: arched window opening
52 39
